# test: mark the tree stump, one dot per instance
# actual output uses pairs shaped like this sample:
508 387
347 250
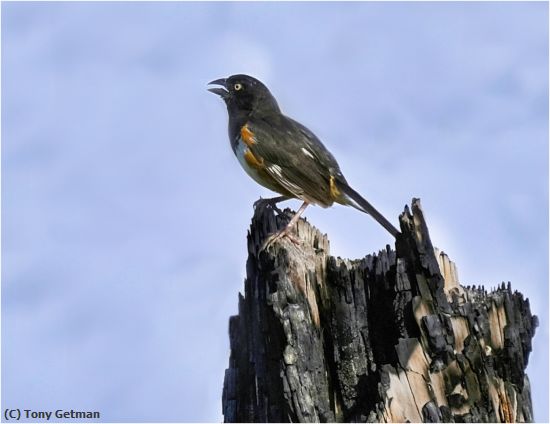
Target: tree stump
392 337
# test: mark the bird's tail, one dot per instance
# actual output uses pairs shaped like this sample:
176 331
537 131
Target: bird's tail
352 198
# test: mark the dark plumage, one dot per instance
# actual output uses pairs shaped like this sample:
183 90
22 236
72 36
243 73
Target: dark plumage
282 154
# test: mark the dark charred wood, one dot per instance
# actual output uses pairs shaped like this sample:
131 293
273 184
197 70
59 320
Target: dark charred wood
392 337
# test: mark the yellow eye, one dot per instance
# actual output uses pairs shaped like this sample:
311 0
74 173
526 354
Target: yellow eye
238 87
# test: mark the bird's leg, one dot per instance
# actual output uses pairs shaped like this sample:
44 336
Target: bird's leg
285 232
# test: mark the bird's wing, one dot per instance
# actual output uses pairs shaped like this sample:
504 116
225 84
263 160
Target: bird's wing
295 157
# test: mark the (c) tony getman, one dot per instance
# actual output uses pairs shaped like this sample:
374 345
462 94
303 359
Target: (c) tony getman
17 414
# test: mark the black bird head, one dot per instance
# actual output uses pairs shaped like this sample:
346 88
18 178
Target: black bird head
245 95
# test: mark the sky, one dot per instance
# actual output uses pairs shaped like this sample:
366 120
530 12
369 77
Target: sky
124 211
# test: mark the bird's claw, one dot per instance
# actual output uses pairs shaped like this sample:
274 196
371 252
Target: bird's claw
277 236
260 202
268 203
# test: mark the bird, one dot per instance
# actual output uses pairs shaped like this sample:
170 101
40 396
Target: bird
283 155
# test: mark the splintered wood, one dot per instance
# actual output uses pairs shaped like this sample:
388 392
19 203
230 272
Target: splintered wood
392 337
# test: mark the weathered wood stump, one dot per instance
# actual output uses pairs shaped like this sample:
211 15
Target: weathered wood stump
392 337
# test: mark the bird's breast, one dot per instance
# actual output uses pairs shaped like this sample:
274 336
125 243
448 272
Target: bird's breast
253 165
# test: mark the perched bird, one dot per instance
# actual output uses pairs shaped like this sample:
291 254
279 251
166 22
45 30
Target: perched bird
282 154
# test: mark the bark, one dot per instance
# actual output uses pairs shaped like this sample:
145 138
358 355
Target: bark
392 337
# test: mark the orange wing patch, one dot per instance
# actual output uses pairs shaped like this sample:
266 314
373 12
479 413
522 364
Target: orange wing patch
252 160
247 135
334 192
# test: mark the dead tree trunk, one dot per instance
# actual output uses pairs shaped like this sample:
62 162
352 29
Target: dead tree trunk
392 337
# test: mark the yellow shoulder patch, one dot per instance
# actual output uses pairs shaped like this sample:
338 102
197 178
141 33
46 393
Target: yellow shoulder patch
334 192
247 135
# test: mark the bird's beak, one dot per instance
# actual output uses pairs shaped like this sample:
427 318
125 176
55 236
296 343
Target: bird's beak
222 92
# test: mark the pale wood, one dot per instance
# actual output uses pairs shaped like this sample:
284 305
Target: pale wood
392 337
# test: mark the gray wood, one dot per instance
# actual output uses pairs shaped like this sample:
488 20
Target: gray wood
392 337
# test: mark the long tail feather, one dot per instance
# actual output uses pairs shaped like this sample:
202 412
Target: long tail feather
358 202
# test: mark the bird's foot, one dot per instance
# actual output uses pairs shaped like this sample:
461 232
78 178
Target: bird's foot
261 202
271 203
285 232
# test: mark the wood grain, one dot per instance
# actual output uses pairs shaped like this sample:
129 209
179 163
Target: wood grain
391 337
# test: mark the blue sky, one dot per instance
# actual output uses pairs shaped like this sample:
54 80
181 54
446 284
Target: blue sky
125 213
